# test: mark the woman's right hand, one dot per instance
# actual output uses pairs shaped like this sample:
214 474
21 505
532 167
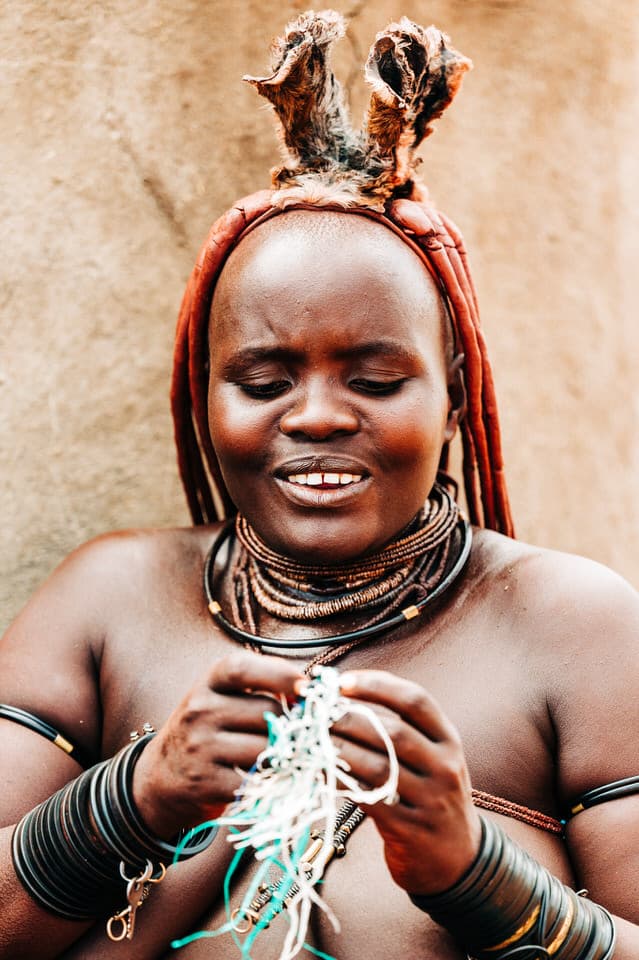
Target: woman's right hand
188 773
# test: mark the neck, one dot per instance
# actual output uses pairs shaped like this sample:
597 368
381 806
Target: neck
425 532
289 590
437 571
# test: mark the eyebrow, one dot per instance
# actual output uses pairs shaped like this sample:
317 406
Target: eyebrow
250 356
381 348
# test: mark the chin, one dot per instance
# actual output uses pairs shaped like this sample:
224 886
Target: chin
326 541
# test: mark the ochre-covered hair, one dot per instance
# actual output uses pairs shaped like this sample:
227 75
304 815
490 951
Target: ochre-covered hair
414 74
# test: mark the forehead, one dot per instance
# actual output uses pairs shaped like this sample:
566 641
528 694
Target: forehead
340 274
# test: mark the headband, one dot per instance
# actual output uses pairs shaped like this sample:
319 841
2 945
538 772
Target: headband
414 74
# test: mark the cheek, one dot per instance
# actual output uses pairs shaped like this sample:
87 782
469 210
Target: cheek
239 430
412 435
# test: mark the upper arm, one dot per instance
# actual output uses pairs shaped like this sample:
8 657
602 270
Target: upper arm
604 848
595 709
49 666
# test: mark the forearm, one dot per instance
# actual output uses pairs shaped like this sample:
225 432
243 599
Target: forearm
172 910
84 854
27 932
507 903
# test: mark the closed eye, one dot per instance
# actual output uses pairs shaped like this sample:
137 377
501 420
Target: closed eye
265 391
377 388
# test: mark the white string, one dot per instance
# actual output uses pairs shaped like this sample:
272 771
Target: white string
298 783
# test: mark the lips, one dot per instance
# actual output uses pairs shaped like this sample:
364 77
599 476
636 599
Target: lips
322 481
322 471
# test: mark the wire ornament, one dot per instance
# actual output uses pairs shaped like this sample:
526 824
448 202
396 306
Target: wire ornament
296 786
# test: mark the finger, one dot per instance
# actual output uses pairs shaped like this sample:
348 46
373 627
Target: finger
238 749
372 770
245 671
404 697
247 712
412 748
204 711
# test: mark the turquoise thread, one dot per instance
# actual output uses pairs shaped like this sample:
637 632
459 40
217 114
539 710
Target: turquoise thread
276 904
299 762
193 832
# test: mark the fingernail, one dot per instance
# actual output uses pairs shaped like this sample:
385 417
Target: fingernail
347 681
300 686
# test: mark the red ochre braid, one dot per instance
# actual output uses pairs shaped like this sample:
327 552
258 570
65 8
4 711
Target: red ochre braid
439 244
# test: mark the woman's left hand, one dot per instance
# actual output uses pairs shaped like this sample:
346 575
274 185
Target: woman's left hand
432 834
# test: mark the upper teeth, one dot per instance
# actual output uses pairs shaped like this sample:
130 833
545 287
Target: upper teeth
319 479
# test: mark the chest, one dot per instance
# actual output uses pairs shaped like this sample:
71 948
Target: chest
477 666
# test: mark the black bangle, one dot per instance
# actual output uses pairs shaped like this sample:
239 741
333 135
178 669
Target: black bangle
72 851
44 729
507 905
122 808
608 791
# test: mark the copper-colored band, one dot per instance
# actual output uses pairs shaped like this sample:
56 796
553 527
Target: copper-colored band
339 208
553 947
519 933
517 811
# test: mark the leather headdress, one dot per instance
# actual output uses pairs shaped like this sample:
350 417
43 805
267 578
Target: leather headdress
414 74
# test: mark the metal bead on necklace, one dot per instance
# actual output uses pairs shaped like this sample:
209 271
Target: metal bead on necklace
389 587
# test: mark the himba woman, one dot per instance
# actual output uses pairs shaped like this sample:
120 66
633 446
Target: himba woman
328 349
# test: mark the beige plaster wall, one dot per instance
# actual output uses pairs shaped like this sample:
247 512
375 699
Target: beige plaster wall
126 130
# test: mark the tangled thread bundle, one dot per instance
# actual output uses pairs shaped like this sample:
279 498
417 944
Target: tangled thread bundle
297 783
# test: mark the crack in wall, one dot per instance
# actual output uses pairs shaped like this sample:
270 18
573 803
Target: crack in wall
151 183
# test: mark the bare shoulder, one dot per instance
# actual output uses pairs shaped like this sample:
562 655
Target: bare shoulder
124 568
568 599
580 623
86 590
50 655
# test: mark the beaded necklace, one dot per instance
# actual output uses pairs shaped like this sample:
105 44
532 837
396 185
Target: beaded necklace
418 567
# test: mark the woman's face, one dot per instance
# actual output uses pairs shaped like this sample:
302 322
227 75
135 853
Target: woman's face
328 400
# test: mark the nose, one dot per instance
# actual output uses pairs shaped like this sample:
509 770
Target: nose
320 411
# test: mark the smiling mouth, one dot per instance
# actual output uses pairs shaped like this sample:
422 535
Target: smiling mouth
326 480
328 489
